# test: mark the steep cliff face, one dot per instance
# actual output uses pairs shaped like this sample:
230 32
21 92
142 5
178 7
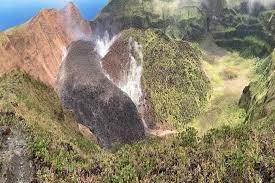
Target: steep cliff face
96 102
177 19
37 45
241 28
258 97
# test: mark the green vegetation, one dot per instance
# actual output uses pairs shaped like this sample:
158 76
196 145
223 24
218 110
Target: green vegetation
226 140
251 36
172 76
258 98
229 74
62 154
171 17
56 144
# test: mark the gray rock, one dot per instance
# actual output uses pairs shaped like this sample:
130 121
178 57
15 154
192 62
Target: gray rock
96 102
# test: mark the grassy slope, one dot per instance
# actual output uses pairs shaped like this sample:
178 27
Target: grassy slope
243 152
229 74
259 101
55 143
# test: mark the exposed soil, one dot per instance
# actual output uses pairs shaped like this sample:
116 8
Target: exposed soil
16 166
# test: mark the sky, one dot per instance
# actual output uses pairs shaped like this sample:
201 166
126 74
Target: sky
14 12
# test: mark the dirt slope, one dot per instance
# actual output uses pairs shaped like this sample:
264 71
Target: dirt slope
37 45
14 156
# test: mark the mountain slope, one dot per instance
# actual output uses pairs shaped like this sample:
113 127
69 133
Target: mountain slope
178 20
54 142
258 97
37 46
61 153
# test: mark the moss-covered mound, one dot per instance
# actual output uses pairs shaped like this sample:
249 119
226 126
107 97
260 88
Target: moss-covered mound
258 97
178 20
172 76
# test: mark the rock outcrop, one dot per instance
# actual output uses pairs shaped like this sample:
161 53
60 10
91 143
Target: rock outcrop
37 45
96 102
121 64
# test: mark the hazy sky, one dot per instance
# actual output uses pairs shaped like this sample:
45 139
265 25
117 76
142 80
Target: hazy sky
13 12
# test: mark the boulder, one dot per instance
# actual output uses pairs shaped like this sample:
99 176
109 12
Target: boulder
96 102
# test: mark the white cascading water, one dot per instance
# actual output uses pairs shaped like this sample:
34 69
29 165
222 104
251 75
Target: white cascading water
131 83
131 80
61 74
103 44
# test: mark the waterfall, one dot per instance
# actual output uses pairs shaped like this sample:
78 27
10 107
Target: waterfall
131 80
61 74
104 43
131 83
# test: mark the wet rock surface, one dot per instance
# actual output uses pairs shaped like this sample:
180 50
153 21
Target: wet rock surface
117 64
15 163
96 102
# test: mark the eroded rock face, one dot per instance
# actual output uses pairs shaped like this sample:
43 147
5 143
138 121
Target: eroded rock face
36 46
118 64
96 102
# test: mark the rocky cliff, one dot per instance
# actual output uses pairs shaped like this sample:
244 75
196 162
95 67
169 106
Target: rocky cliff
177 19
37 45
96 102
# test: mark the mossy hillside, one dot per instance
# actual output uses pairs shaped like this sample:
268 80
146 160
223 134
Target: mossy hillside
266 18
249 46
248 35
172 76
242 153
177 21
257 98
228 74
223 155
56 144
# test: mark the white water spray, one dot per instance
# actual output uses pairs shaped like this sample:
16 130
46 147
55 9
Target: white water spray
103 44
131 80
265 3
131 83
61 75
